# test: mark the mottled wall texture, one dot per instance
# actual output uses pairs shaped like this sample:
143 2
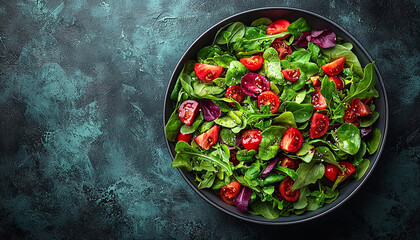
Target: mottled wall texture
82 150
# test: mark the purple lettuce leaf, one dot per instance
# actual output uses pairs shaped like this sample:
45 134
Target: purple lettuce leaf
242 200
324 38
210 110
253 84
365 131
302 41
270 167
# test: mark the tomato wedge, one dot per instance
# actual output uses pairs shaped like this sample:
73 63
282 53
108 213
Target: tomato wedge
184 137
252 63
292 140
236 93
208 138
187 111
289 163
229 192
319 125
335 67
350 116
315 81
232 157
338 82
282 48
331 172
350 169
286 191
318 100
269 97
291 74
206 72
278 26
360 108
251 139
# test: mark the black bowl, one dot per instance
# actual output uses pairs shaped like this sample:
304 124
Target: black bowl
316 22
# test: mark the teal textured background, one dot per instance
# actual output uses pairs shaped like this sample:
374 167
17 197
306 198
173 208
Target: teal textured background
82 148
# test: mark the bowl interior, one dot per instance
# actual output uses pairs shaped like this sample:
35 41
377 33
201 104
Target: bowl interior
316 22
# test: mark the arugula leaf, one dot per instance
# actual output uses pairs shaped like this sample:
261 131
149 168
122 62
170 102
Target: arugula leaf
366 87
208 52
298 27
270 142
182 161
187 69
173 125
208 180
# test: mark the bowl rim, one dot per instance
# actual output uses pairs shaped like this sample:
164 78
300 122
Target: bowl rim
367 173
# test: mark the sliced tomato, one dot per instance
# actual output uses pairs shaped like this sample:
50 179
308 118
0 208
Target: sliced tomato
331 172
286 191
350 115
367 100
318 100
289 163
232 157
269 97
278 26
253 63
291 74
339 83
184 137
292 140
319 125
229 192
251 139
236 93
208 138
282 48
315 81
360 108
350 169
187 111
335 67
207 72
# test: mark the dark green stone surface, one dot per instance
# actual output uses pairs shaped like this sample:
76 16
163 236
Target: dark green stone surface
82 148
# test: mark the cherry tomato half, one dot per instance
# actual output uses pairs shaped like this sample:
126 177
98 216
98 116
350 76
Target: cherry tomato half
187 111
319 125
206 72
253 63
269 97
208 138
291 74
282 48
278 26
350 169
229 192
338 82
184 137
318 100
360 108
315 81
251 139
350 115
236 93
286 191
292 140
289 163
335 67
331 172
232 157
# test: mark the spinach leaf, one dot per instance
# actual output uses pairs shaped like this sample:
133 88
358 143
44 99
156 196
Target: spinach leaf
314 50
224 60
187 69
373 140
270 142
230 120
228 137
327 89
358 157
208 52
308 173
234 32
185 80
301 55
253 171
369 120
264 209
261 21
289 172
366 87
300 97
286 119
202 89
245 155
207 180
341 51
298 27
272 66
301 112
302 202
273 178
306 152
182 161
173 125
324 154
235 72
187 129
361 169
348 138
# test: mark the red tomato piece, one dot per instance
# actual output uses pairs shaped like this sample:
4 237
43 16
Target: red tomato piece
282 48
318 100
291 74
251 139
286 191
367 100
338 82
236 93
278 26
184 137
335 67
360 108
229 192
315 82
206 72
289 163
319 125
269 97
350 169
208 138
232 157
331 172
292 140
187 111
252 63
350 115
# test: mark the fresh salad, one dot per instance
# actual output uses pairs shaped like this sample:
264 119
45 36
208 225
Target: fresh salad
274 117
